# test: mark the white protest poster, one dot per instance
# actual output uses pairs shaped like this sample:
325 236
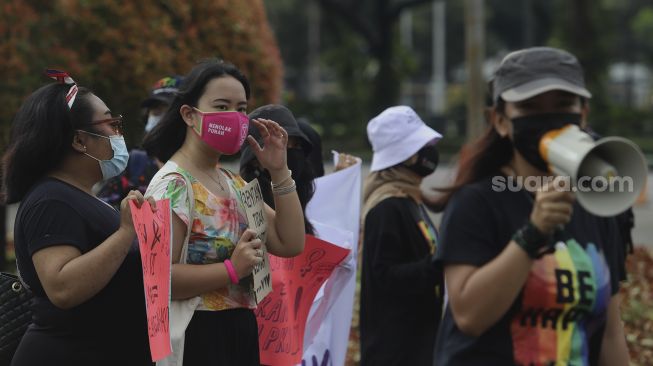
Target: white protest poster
254 208
334 210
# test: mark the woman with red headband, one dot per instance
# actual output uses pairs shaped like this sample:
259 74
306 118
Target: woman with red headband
76 253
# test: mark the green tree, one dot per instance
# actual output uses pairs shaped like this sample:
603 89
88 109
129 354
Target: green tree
642 28
121 49
376 22
583 28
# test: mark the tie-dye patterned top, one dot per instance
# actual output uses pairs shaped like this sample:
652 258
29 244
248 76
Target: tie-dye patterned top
217 224
560 315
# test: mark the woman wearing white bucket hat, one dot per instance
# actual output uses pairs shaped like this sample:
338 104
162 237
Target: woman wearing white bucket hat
400 285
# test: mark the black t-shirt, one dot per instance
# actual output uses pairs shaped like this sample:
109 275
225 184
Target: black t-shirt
561 311
400 307
108 329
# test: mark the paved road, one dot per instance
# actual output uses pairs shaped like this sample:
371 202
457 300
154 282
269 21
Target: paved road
642 234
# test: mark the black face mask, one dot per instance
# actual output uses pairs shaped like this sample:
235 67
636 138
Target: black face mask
427 161
296 162
527 132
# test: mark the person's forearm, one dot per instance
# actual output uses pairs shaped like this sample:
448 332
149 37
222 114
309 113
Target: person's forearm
490 290
614 350
86 275
190 280
289 222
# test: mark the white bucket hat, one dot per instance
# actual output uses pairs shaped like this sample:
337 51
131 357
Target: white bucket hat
397 134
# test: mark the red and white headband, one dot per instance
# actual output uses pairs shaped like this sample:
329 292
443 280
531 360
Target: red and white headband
63 78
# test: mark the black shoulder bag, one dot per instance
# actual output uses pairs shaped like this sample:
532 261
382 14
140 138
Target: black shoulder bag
15 314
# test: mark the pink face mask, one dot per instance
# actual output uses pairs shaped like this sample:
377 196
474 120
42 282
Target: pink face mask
224 132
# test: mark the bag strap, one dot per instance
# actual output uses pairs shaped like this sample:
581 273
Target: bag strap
20 278
18 285
418 214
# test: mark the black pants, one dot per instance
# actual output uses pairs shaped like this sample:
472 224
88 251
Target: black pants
222 338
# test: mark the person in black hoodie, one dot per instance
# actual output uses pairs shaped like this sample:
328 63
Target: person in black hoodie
298 150
304 156
315 155
401 287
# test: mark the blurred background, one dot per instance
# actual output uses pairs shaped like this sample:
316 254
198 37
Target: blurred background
345 61
338 63
335 62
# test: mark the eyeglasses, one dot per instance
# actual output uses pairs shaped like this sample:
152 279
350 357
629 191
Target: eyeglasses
115 122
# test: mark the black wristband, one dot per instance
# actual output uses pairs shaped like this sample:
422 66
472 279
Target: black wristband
532 240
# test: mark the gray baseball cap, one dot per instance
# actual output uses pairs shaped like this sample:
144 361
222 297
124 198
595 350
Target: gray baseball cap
526 73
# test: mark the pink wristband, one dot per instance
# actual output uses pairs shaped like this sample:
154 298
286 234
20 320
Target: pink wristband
231 271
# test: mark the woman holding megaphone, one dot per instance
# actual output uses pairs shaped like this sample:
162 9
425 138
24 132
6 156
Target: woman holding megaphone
529 272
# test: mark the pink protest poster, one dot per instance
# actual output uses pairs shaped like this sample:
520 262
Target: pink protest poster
153 231
281 316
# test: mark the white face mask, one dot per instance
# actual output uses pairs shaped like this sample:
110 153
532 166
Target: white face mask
152 121
117 164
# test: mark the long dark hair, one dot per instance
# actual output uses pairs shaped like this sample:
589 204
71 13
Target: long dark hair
169 134
41 136
478 160
305 191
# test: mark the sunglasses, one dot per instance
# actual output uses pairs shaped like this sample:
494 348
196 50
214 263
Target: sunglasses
114 122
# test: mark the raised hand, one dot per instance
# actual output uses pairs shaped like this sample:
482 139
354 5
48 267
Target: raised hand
272 156
345 161
551 208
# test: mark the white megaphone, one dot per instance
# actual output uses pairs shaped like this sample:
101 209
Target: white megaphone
607 175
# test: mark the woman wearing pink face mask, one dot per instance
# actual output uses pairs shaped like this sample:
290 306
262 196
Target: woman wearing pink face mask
206 120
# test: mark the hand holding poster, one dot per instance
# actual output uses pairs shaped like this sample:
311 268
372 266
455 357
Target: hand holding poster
254 208
282 315
153 232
